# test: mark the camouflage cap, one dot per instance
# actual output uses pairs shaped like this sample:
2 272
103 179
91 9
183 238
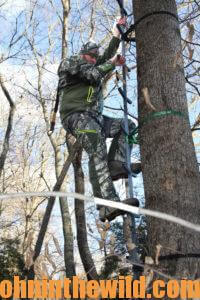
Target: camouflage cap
88 47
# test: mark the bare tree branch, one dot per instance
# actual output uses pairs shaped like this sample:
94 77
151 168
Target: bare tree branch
9 125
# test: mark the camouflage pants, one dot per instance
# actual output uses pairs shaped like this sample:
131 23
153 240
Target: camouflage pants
92 133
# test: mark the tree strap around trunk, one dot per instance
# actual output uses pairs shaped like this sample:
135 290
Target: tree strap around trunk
124 35
133 137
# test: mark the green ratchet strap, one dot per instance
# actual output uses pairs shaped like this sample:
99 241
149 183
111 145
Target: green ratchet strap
133 137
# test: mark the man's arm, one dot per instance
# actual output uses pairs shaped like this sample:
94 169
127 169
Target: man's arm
93 74
109 52
83 70
113 45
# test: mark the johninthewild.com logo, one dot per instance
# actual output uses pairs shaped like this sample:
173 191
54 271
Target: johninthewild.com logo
123 287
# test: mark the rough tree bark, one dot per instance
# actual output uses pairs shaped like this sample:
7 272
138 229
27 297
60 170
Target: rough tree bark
170 171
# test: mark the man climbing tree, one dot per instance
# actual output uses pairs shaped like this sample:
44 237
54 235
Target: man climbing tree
170 171
80 92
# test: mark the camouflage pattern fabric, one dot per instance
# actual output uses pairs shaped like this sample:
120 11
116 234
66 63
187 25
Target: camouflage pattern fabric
80 81
92 131
80 86
81 98
76 65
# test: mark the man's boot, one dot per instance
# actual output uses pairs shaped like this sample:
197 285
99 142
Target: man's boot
118 170
110 213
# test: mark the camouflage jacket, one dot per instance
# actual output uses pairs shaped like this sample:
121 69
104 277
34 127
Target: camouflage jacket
80 86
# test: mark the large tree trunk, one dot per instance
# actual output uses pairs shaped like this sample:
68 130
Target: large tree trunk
170 171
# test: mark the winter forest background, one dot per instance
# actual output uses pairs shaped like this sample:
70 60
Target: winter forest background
34 36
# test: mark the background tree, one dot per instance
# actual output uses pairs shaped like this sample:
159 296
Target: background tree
11 260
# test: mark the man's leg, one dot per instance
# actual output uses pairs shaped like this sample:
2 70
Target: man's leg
117 152
81 126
